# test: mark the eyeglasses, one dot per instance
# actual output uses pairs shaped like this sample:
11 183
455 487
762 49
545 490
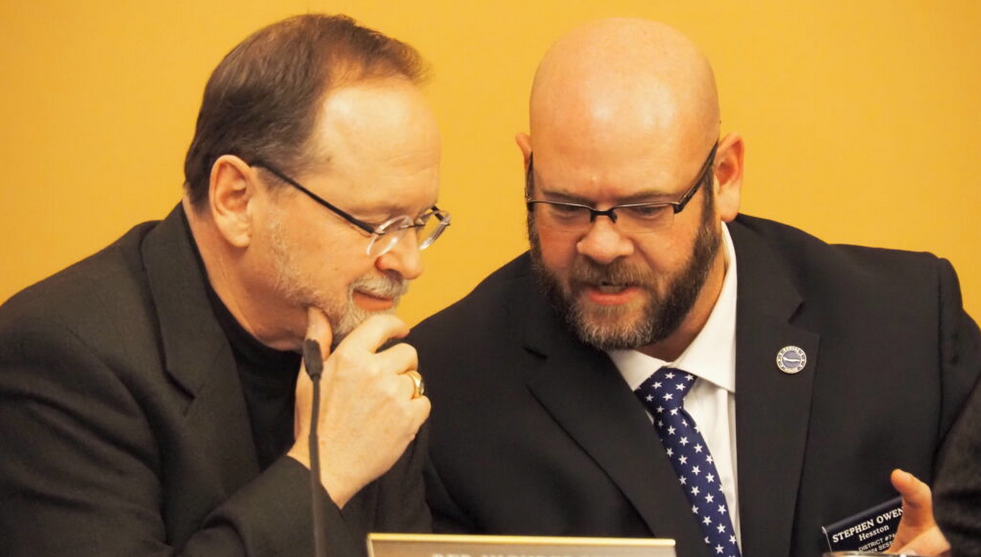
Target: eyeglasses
631 218
427 226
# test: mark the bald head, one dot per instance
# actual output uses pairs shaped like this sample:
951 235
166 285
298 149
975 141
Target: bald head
627 88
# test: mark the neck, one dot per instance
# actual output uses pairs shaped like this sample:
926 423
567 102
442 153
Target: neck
239 287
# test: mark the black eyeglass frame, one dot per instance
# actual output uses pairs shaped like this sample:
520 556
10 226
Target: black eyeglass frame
378 231
677 206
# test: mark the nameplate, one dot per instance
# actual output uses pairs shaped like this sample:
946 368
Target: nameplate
872 530
442 545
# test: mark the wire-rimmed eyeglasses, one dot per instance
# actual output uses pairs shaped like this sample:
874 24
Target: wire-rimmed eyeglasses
427 226
630 218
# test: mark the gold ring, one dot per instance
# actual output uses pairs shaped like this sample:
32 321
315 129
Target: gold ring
417 383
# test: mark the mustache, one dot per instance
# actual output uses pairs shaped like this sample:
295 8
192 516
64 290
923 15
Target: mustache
382 287
619 272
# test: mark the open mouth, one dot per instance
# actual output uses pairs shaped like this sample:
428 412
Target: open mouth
610 288
609 293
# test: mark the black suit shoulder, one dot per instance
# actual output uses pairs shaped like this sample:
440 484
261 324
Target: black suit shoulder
813 262
97 302
100 273
485 306
864 299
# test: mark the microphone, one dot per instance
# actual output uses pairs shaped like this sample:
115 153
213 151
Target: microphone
314 362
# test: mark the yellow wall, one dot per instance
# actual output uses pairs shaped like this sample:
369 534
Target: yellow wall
861 117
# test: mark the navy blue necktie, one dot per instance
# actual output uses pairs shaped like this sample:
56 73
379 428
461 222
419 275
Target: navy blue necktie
664 394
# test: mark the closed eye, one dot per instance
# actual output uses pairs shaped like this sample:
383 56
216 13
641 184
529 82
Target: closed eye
646 211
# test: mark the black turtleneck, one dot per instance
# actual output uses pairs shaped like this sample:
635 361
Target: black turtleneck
268 380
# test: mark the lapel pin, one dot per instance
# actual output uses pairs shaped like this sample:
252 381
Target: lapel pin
791 359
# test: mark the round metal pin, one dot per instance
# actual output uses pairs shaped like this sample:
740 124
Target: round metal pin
791 359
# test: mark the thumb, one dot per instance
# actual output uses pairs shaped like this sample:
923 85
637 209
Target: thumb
917 503
918 533
319 330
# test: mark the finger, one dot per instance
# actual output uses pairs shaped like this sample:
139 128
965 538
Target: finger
416 385
302 408
375 331
318 329
422 407
398 358
917 500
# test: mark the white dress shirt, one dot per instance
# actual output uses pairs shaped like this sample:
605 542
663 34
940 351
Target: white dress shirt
711 357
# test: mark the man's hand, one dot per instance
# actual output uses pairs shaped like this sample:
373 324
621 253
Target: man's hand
918 533
368 415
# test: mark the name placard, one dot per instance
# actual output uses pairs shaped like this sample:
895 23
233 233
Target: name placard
871 530
442 545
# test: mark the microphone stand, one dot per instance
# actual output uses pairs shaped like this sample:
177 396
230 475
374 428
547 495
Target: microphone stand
314 362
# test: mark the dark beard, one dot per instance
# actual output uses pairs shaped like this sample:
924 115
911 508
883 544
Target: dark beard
661 317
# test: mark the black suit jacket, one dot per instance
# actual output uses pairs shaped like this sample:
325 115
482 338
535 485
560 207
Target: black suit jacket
125 430
957 491
534 432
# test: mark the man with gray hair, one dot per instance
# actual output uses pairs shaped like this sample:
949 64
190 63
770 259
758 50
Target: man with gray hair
658 365
150 399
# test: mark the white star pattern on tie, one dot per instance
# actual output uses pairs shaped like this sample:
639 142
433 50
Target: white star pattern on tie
689 455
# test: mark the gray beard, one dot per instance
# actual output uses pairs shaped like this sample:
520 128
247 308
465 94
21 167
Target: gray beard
343 313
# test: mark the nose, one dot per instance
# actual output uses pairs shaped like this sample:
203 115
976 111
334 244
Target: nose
603 242
404 258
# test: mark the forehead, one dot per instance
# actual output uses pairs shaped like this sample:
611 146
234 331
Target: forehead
617 131
634 175
379 144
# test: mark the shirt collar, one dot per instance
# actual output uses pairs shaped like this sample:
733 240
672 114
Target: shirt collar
712 355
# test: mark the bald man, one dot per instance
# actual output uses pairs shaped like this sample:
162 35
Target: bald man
812 370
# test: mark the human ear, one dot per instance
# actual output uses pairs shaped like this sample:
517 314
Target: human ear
729 176
524 143
230 194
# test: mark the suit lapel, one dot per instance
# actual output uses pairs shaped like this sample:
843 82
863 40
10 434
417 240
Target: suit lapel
197 354
772 407
584 392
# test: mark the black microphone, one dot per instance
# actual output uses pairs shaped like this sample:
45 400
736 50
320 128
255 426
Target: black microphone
314 362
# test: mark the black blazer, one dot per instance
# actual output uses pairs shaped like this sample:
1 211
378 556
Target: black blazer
534 432
125 430
957 491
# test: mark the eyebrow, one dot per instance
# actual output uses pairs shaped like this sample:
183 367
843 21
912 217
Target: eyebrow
387 211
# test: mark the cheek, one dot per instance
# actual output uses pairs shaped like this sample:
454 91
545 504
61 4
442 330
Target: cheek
668 254
558 252
332 265
661 256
